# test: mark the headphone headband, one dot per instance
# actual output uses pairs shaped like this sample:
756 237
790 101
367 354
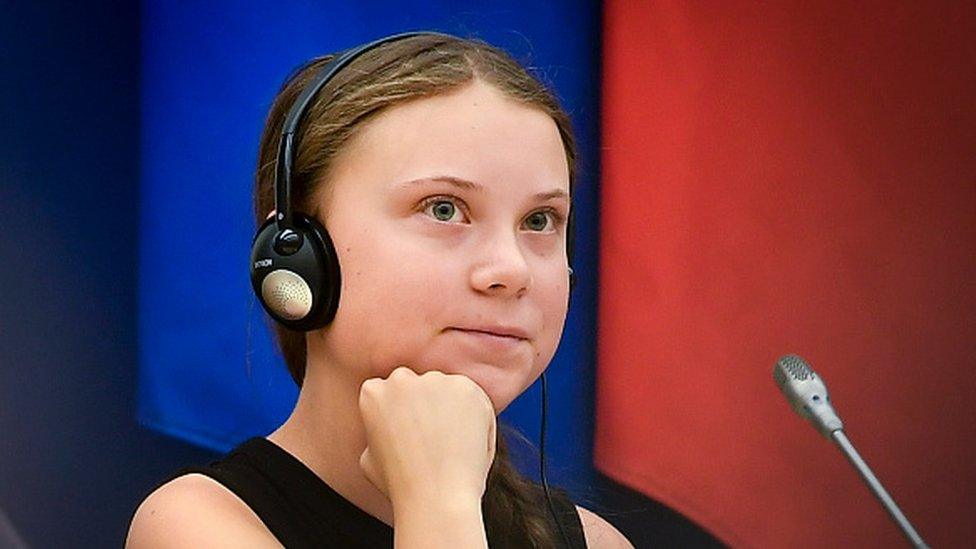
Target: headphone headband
287 145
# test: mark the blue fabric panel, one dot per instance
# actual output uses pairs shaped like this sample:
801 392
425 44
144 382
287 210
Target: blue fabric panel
208 372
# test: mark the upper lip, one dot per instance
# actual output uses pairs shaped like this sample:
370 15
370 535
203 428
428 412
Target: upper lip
507 331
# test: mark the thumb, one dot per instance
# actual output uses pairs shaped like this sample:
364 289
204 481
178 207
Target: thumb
368 464
492 440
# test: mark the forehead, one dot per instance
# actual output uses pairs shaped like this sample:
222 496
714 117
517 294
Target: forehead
474 133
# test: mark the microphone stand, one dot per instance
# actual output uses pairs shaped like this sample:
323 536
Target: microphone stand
879 491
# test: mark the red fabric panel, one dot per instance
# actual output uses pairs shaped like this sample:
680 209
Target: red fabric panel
782 179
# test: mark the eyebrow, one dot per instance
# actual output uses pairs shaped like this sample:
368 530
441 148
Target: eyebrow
476 187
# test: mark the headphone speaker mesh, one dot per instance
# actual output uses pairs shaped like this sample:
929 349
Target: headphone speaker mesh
287 294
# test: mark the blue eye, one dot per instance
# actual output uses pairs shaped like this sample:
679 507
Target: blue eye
441 209
542 221
537 221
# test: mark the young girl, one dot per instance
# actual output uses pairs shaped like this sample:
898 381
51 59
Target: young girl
442 172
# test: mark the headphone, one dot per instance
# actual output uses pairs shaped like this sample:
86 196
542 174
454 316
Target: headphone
294 267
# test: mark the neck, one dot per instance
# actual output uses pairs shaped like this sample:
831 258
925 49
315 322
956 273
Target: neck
325 432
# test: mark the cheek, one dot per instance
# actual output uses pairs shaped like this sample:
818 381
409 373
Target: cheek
552 296
388 307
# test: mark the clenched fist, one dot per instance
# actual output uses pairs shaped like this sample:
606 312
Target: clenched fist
427 436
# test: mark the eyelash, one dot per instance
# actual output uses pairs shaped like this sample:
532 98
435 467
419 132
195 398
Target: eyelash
555 218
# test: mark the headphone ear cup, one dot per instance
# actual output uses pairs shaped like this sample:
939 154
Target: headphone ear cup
295 273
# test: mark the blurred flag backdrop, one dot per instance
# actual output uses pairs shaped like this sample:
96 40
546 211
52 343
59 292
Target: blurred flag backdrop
790 177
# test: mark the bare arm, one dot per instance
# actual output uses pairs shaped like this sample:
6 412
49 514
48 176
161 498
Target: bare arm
195 511
599 533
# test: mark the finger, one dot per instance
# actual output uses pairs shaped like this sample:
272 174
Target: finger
270 215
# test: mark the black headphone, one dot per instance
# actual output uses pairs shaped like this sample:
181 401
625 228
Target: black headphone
294 268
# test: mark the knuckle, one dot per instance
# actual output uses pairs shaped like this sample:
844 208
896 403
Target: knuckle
458 379
371 384
369 389
434 374
401 372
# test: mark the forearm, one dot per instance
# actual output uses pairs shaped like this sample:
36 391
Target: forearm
441 522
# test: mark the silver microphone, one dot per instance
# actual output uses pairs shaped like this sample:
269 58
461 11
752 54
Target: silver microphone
807 394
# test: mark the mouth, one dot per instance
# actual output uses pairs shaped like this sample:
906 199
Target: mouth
507 332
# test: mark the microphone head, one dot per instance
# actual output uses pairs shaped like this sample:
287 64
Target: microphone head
806 393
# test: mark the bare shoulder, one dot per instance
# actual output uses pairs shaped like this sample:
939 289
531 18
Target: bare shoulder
196 511
599 533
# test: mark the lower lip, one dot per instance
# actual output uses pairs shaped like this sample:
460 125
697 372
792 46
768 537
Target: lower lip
492 341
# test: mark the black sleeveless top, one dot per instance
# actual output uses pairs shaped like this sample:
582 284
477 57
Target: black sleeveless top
301 510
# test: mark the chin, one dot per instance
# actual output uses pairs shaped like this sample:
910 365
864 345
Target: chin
502 384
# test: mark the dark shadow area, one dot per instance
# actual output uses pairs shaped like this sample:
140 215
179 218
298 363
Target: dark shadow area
646 522
73 461
9 537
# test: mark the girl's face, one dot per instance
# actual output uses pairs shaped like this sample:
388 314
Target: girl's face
448 217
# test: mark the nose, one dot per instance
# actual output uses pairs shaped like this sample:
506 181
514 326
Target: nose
502 270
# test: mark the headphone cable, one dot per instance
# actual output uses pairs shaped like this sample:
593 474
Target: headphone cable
542 464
